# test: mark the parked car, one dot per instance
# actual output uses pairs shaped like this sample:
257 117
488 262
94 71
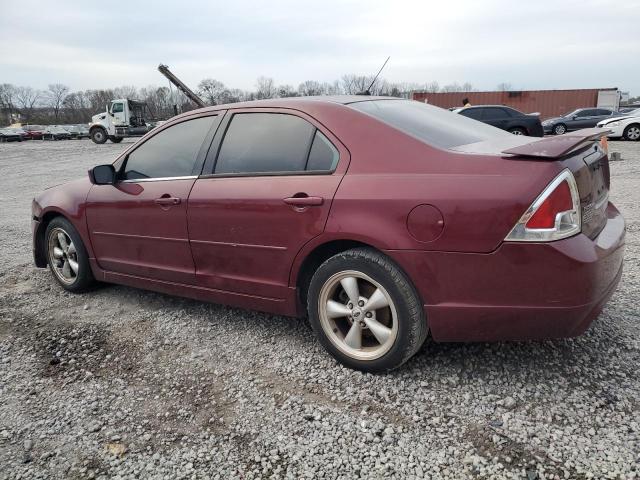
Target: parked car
381 219
35 132
627 126
506 118
83 131
577 119
77 132
55 132
24 135
9 135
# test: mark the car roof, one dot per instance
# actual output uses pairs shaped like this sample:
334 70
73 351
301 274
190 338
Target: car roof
295 103
484 106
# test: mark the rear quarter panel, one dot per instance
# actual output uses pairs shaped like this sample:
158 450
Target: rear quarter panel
480 197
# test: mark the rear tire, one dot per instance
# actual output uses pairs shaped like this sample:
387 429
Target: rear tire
98 135
632 132
365 311
560 129
67 256
518 131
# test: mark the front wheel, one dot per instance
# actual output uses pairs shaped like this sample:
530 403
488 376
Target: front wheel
560 129
116 139
632 132
517 131
67 256
98 135
365 311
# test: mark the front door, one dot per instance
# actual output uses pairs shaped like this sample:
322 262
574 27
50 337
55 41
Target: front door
268 194
139 225
118 112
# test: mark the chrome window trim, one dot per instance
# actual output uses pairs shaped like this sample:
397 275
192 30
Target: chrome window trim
158 179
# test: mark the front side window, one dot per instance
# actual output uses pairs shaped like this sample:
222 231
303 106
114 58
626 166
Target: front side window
171 153
475 113
117 108
265 143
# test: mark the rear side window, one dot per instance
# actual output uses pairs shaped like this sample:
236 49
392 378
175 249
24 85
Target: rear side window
432 125
273 142
323 155
171 153
495 113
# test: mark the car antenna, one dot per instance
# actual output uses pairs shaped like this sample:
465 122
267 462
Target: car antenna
368 90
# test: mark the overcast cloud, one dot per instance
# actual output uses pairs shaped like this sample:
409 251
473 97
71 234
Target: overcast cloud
532 45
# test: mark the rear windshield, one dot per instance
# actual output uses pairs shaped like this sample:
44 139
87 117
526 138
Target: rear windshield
432 125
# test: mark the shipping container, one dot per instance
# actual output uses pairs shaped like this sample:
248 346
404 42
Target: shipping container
548 103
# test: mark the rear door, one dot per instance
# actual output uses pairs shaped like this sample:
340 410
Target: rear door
272 175
498 117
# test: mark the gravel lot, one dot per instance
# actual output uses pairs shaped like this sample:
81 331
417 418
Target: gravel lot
122 383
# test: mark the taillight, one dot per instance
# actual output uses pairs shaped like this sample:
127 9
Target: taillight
554 215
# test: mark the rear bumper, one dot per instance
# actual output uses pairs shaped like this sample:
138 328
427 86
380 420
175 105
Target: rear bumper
520 291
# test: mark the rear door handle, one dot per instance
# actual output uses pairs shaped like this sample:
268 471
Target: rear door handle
303 201
167 201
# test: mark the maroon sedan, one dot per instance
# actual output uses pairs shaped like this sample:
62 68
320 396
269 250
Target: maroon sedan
381 219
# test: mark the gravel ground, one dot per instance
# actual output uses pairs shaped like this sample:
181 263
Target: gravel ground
122 383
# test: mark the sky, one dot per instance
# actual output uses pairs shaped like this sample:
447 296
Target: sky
536 44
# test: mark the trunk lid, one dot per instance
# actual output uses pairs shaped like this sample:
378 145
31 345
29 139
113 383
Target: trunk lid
581 152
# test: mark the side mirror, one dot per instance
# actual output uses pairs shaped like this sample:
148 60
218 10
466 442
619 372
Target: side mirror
103 175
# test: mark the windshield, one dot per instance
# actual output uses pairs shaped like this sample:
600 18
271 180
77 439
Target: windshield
432 125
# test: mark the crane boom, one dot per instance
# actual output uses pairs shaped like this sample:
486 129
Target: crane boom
163 69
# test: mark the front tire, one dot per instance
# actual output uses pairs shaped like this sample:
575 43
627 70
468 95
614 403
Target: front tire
560 129
518 131
67 256
632 132
116 139
365 311
98 135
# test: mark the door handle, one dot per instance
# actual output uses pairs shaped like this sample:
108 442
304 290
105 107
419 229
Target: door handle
305 201
167 201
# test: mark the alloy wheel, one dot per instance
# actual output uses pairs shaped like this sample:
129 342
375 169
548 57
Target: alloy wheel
633 133
63 256
358 315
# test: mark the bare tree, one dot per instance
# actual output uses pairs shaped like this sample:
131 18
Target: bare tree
265 88
7 101
504 87
213 91
352 84
56 95
467 87
125 91
286 91
311 87
27 98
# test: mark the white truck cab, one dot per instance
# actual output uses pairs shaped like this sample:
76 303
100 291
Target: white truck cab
122 118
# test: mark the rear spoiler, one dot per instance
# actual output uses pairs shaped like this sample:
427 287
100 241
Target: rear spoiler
559 145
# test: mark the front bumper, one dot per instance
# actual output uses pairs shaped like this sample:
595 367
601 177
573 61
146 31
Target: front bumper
521 291
547 129
616 132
